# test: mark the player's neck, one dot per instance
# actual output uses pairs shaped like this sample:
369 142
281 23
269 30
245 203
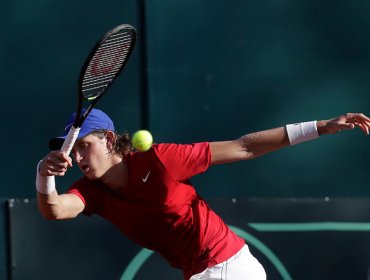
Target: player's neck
116 177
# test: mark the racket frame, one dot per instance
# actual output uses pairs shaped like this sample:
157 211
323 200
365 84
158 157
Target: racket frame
80 118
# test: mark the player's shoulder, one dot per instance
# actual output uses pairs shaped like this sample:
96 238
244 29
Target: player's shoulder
169 150
178 146
154 154
156 148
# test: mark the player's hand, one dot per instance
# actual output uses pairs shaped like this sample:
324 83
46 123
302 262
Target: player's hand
55 163
347 121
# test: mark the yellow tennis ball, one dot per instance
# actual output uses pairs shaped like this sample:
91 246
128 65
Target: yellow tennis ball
142 140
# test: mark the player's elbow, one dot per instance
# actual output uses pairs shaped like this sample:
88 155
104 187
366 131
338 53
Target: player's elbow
251 150
49 216
50 212
250 153
246 151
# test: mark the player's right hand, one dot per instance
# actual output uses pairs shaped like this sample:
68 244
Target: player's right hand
55 163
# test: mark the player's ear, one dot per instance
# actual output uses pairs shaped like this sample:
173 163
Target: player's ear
111 139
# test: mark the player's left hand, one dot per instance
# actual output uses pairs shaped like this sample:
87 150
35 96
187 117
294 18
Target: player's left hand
347 121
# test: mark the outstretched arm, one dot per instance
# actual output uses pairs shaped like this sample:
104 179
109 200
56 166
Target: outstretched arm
257 144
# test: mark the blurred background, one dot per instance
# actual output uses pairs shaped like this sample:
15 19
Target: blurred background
201 71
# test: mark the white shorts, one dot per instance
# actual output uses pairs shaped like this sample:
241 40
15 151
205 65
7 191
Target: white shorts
241 266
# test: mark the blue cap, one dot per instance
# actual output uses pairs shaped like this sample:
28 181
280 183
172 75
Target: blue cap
96 120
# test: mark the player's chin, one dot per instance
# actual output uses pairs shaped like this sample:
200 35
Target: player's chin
90 174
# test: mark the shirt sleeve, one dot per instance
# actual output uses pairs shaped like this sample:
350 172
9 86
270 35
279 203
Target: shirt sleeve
184 161
86 192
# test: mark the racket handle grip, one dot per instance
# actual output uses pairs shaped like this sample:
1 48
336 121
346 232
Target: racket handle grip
70 140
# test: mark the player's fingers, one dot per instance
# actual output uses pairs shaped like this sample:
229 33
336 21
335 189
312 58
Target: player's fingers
357 117
362 122
366 123
61 173
346 126
56 163
363 117
66 158
60 159
51 169
57 172
363 127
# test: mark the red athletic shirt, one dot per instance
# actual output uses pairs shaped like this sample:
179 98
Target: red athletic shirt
160 209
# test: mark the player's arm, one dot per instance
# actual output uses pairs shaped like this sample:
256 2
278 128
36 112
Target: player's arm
51 204
58 207
257 144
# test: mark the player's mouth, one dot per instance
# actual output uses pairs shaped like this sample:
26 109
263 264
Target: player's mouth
84 168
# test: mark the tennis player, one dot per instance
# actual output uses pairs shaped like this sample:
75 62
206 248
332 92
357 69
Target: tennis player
148 196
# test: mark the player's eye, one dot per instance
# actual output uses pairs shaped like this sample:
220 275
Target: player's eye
79 147
83 145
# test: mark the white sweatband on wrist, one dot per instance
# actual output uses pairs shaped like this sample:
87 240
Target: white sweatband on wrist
302 132
44 185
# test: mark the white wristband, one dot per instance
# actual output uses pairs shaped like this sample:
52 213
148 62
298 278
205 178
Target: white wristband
302 132
44 185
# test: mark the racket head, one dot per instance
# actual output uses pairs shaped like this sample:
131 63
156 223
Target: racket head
106 61
101 68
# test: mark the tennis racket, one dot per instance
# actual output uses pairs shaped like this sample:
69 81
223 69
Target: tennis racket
101 68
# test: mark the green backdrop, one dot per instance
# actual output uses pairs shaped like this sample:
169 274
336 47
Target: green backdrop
202 70
220 69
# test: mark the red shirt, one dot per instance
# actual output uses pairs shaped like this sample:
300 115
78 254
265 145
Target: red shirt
160 210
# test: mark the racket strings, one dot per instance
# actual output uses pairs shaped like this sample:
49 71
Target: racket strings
106 63
107 60
111 48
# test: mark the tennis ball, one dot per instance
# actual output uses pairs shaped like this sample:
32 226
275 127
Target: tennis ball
142 140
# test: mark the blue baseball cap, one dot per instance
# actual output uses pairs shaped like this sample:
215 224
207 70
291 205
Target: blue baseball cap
96 120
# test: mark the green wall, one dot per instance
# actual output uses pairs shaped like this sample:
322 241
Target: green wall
209 70
44 44
220 69
202 70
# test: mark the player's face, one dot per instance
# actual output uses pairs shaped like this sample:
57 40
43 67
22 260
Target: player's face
92 156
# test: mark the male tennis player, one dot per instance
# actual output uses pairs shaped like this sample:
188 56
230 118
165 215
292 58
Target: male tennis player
148 196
